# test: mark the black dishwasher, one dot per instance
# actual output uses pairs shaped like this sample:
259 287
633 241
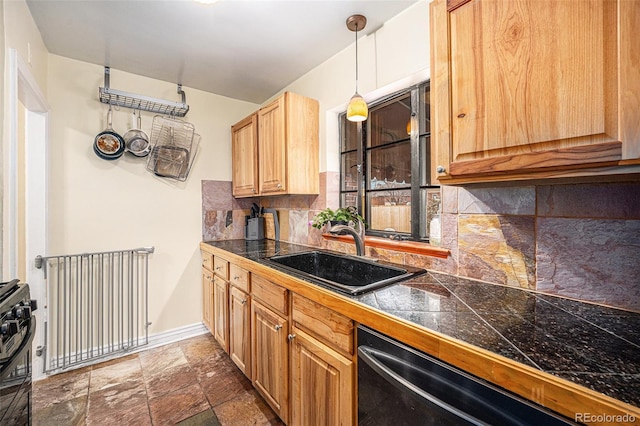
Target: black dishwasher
398 385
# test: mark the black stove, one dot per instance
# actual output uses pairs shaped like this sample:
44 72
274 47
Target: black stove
17 328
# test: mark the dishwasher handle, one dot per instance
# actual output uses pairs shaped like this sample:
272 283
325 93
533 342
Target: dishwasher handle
374 359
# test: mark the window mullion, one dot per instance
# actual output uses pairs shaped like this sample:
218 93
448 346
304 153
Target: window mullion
361 165
415 165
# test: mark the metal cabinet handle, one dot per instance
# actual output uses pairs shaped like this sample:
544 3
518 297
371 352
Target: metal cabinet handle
440 169
245 301
279 186
291 337
277 327
236 277
218 268
253 190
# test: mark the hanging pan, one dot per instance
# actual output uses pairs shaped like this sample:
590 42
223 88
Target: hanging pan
108 144
137 141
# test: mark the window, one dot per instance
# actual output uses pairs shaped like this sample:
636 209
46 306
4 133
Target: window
386 165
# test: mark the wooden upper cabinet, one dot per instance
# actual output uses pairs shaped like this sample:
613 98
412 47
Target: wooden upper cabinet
244 154
533 89
288 146
273 149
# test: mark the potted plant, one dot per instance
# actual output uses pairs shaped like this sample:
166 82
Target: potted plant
342 215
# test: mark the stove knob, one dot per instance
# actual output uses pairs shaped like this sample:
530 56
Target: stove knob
9 328
10 314
23 312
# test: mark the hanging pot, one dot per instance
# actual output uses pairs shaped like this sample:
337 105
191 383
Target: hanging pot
108 144
137 141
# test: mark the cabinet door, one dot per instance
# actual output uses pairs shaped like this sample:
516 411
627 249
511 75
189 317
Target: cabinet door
244 153
270 357
521 86
207 299
240 329
221 312
272 146
322 383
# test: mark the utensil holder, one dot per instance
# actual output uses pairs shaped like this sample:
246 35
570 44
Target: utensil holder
254 230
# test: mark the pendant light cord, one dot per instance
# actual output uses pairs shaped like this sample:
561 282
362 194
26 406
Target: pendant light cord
356 57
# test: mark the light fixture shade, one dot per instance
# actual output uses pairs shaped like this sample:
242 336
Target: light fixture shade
357 109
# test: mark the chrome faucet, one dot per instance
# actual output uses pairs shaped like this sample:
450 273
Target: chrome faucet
358 235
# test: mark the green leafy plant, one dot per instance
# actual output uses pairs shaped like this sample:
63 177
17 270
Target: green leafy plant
342 214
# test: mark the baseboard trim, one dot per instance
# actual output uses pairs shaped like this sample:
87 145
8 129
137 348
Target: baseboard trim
154 341
175 335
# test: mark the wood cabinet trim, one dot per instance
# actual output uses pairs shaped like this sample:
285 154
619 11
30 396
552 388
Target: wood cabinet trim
413 247
454 4
605 154
221 267
272 295
207 260
240 278
328 326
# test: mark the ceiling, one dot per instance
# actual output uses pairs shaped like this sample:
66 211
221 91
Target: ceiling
243 49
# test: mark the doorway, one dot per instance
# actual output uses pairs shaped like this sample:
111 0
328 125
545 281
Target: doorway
25 184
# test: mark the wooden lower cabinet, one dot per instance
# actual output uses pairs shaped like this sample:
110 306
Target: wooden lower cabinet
298 353
221 312
270 360
207 299
240 329
322 391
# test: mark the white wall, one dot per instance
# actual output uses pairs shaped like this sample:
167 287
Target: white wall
22 34
97 205
392 58
2 73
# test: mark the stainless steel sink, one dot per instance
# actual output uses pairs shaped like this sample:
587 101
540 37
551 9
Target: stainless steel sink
349 274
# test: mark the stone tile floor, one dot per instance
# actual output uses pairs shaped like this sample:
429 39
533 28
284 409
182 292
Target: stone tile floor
190 383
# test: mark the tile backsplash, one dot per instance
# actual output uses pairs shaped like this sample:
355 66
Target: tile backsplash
580 241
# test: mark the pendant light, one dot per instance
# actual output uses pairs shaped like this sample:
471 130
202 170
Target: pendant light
357 109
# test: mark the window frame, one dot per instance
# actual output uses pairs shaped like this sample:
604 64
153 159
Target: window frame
420 143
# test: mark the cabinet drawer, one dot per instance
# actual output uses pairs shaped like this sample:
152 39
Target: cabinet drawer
207 260
221 267
334 329
238 277
269 293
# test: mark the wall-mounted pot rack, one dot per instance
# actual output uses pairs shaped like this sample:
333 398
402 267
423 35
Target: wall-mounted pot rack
145 103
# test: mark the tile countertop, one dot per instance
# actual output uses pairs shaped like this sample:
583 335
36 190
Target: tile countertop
590 345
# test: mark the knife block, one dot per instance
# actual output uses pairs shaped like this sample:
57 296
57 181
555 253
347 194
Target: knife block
254 229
